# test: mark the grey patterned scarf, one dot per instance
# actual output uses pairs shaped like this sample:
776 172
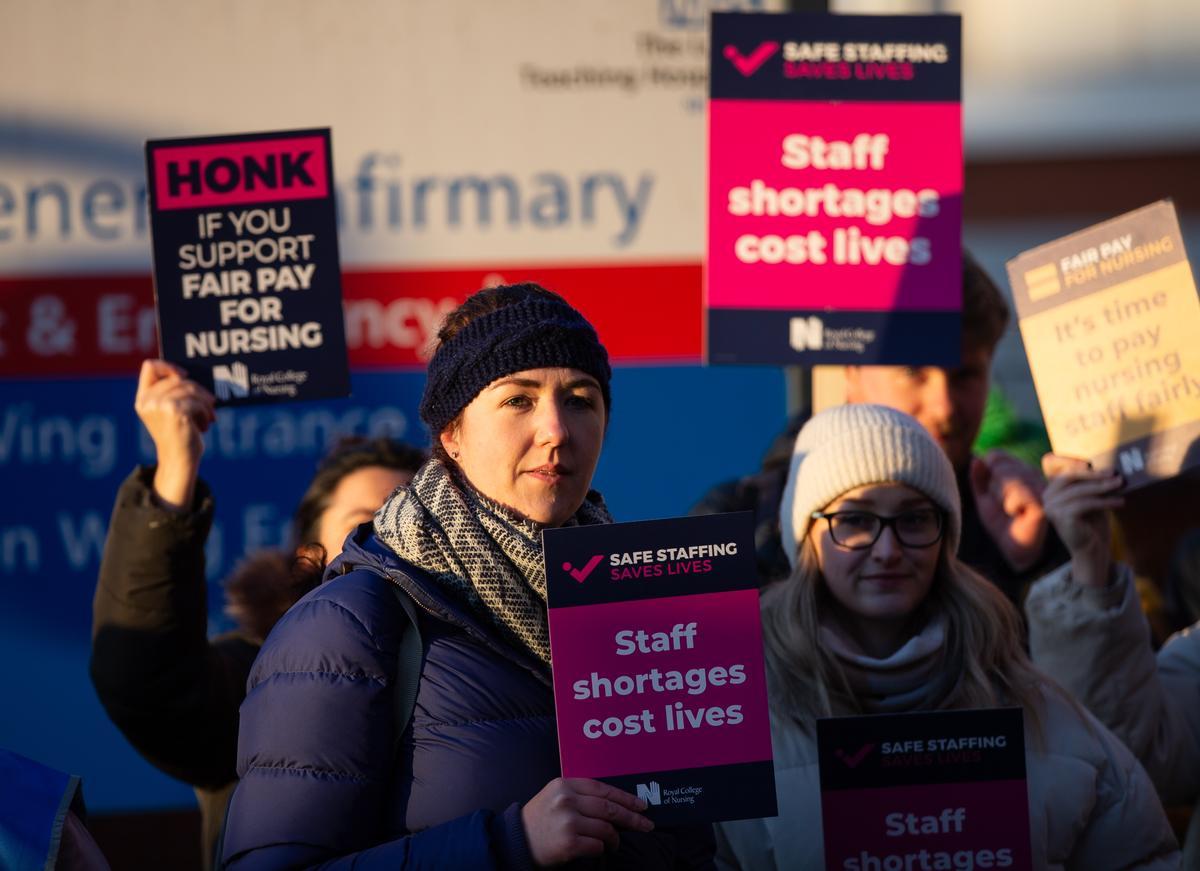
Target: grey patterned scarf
489 558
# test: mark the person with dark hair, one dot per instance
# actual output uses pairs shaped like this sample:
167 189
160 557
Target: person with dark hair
879 617
172 691
343 493
334 771
1005 534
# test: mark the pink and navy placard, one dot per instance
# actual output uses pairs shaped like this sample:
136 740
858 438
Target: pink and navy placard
835 190
943 789
247 282
656 644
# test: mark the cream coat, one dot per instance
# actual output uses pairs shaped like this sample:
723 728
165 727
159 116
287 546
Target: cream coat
1091 805
1096 643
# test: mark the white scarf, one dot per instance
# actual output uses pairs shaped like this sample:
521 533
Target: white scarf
908 680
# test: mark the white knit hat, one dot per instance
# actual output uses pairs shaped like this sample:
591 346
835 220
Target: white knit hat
849 446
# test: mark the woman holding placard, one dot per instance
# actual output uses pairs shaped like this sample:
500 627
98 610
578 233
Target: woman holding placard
1088 630
881 617
355 748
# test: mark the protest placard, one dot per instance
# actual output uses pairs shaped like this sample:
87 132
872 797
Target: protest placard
658 669
835 185
1109 317
944 789
246 278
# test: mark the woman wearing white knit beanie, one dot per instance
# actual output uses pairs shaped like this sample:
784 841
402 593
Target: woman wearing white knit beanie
880 616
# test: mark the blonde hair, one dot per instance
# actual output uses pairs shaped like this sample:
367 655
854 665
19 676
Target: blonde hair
982 649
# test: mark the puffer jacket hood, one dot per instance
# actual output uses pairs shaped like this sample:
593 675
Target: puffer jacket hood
363 550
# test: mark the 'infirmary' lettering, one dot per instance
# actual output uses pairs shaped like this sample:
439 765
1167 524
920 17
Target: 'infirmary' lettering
374 200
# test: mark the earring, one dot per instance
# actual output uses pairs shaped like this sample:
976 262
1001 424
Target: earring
454 455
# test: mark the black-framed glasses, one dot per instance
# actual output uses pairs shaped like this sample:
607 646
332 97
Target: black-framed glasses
857 530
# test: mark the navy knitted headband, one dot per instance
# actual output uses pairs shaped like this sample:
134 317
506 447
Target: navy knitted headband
532 333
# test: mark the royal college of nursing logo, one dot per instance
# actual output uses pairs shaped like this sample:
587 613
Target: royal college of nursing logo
806 334
232 381
651 792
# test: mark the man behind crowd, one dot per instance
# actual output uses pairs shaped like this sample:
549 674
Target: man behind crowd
1005 535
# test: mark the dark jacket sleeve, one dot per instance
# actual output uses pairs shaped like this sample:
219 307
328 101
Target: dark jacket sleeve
172 693
316 751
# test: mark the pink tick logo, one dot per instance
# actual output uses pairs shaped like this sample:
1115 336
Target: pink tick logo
748 65
581 575
854 759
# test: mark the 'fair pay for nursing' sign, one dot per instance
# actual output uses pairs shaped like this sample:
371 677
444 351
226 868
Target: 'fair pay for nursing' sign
938 790
1109 317
658 669
246 277
835 190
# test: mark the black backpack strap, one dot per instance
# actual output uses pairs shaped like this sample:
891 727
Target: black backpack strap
410 658
410 655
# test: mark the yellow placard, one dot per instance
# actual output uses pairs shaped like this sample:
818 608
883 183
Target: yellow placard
1119 364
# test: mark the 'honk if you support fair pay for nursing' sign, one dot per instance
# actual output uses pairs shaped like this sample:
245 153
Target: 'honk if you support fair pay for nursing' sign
1109 317
247 280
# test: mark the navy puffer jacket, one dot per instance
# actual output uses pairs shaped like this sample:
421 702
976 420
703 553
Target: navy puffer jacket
321 781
